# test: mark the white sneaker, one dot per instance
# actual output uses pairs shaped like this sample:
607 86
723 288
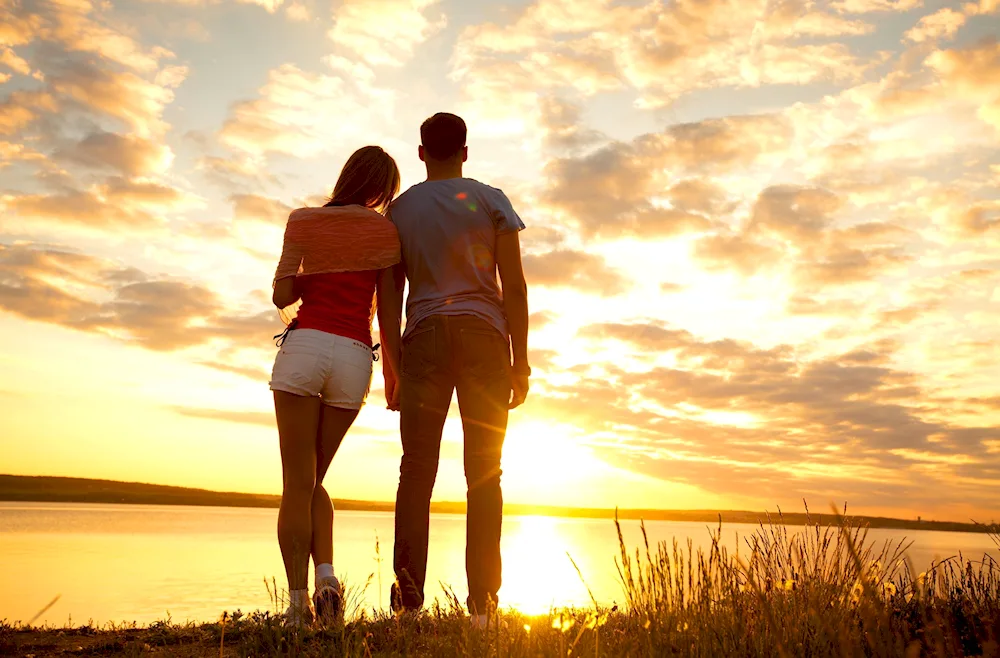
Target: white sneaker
328 600
479 621
299 616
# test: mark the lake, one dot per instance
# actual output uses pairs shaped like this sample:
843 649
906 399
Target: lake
143 563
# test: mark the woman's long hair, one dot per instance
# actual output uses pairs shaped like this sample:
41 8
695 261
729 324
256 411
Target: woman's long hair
370 178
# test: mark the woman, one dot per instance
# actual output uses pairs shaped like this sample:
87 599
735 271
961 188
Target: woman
332 261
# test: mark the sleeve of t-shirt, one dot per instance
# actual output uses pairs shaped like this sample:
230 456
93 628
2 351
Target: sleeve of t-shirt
505 219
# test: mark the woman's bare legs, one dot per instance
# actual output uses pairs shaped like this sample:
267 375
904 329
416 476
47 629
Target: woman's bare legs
298 424
334 424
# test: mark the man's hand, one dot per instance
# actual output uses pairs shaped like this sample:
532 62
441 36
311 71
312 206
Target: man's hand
391 390
519 387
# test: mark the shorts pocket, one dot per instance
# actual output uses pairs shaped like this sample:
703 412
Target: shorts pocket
298 343
296 371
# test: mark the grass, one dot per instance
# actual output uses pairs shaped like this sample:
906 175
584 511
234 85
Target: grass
824 590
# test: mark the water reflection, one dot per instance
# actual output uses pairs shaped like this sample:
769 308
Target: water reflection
144 563
538 574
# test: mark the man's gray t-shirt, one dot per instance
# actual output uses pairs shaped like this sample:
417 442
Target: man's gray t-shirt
448 232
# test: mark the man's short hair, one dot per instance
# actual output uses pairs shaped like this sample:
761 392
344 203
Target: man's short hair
443 135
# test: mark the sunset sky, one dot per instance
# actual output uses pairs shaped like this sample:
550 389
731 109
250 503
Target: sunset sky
763 245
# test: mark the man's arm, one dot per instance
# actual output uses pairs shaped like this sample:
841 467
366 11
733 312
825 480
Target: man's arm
515 301
390 314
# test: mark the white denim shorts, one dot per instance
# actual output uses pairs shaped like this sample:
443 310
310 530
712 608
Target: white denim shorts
315 363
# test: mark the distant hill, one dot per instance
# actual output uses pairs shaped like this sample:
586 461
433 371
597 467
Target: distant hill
81 490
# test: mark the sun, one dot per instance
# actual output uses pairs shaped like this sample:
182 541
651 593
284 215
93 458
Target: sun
547 463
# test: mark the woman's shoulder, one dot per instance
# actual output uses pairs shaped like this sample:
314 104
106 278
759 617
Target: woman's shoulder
334 212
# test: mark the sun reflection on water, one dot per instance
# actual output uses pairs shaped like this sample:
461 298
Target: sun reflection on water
537 573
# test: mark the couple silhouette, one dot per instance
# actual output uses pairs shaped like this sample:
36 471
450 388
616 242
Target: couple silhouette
448 237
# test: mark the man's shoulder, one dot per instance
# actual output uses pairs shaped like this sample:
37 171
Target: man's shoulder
487 189
410 193
398 208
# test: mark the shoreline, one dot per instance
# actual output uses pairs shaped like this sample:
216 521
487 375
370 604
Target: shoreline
46 489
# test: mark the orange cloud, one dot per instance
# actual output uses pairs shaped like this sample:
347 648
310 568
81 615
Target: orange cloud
126 96
566 268
383 32
303 113
870 6
729 410
942 24
128 154
11 60
662 50
21 108
257 208
49 285
87 208
613 189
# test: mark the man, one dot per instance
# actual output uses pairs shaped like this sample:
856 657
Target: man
462 334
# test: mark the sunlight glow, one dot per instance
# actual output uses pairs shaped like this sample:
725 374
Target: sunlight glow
541 456
538 574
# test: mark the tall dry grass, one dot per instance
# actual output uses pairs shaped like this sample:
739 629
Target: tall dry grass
825 590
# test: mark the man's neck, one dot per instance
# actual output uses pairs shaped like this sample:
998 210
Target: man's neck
443 170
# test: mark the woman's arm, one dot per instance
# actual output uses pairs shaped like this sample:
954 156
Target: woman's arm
286 292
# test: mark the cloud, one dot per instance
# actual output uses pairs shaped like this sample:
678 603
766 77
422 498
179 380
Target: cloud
245 417
11 152
734 252
270 6
304 114
257 208
793 212
128 154
541 319
699 195
979 218
256 374
89 294
384 32
972 74
566 268
663 50
240 171
945 82
942 24
87 73
73 27
870 6
840 265
22 108
11 60
560 122
298 12
729 410
806 305
136 101
86 208
611 190
119 203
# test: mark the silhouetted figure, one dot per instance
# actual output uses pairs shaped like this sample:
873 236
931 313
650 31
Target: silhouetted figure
332 260
461 333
